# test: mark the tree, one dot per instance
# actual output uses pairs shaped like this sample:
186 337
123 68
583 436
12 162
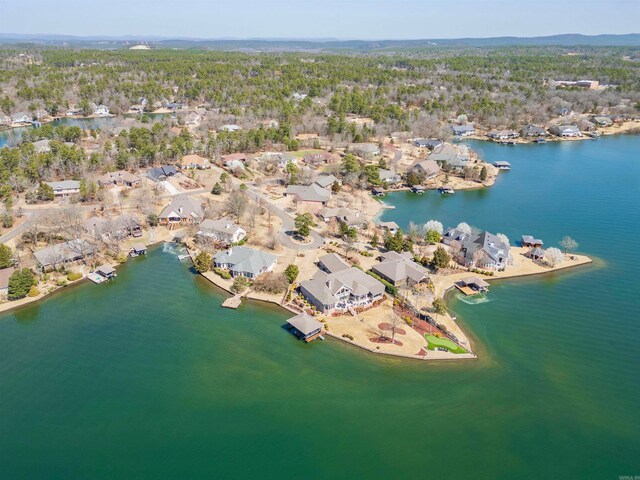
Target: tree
217 189
239 284
237 203
336 187
291 272
483 173
395 242
20 282
553 256
350 164
304 222
153 220
432 237
441 258
6 256
435 226
375 240
568 243
394 324
45 192
440 306
202 262
464 228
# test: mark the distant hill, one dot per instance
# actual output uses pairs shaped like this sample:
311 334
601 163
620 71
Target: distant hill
103 42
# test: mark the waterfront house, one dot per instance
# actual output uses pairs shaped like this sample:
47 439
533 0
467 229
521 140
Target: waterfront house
309 193
529 241
183 209
478 249
101 110
318 158
448 154
65 187
5 274
244 261
195 161
119 227
429 143
121 177
21 118
389 176
503 134
326 181
429 168
533 131
586 126
391 227
399 269
565 131
305 327
602 121
221 231
463 130
53 256
332 263
342 290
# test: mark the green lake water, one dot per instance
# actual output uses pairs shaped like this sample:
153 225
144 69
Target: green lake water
148 377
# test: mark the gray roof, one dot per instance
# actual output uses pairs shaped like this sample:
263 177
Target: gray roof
475 281
428 167
64 185
223 225
533 131
326 180
399 268
244 259
324 287
5 274
185 207
309 193
427 142
333 263
458 129
531 239
388 175
447 153
501 163
305 323
63 252
368 148
105 269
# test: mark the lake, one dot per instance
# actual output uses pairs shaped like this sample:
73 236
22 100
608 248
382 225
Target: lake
147 377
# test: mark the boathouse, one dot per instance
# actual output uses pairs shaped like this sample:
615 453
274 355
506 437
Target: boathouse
472 285
305 327
529 241
106 271
138 249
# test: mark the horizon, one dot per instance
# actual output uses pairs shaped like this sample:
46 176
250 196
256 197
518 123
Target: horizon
333 19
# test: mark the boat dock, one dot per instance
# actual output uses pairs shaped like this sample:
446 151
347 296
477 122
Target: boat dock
96 277
232 302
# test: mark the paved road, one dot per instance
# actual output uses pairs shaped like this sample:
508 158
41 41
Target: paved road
288 223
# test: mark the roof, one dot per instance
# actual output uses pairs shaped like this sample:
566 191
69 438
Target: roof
475 281
223 225
244 259
121 175
399 267
305 323
446 153
429 167
64 185
139 247
371 148
427 142
388 175
241 157
105 269
324 287
318 157
389 225
194 160
501 163
333 263
457 129
326 180
5 274
309 193
184 207
63 252
530 239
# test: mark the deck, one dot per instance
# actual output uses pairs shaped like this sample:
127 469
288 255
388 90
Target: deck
96 277
467 290
232 302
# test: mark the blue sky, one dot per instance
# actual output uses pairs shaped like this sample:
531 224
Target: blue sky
362 19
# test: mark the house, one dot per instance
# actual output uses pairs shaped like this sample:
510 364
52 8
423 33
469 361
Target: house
308 193
318 158
400 269
481 250
429 143
342 290
602 121
332 263
195 161
529 241
65 187
391 227
121 177
59 254
21 118
533 131
448 154
280 159
565 131
503 134
463 130
586 126
101 110
234 159
183 209
389 176
221 231
352 218
106 271
42 146
230 128
305 327
365 150
120 227
326 181
429 168
244 261
5 274
159 174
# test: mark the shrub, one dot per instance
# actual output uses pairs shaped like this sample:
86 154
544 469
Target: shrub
222 273
391 290
33 291
61 282
240 284
291 272
73 276
271 283
346 335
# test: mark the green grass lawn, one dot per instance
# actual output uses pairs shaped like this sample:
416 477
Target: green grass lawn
302 153
435 342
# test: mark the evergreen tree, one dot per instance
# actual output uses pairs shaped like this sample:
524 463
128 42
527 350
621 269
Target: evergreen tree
20 283
202 262
6 256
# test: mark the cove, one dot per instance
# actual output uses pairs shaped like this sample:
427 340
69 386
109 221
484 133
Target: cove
148 377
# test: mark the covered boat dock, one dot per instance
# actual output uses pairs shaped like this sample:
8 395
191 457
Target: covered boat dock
305 327
472 286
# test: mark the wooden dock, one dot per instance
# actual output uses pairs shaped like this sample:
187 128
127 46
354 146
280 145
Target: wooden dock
232 302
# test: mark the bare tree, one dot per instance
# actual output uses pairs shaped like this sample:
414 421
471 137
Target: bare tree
237 203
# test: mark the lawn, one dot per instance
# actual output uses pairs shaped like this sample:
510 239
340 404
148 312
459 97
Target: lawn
302 153
435 342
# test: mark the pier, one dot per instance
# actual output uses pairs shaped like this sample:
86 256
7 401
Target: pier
232 302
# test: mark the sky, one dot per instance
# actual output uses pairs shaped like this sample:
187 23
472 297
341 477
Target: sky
341 19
